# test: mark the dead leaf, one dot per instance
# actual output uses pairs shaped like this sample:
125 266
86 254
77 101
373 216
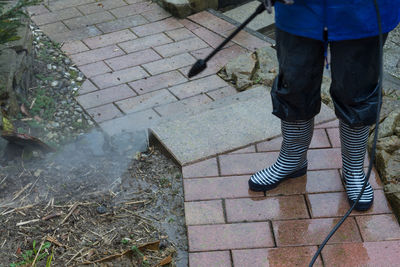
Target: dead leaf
18 251
165 261
100 5
8 127
25 111
150 246
27 140
37 118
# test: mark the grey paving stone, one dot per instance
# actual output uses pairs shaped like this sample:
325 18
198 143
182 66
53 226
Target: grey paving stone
238 121
131 123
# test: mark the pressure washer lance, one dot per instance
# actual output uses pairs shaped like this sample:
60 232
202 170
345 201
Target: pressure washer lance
201 65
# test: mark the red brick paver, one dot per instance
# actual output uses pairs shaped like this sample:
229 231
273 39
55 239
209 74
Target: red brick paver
301 211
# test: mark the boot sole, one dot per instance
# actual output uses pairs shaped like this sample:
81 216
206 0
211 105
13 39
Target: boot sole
361 206
264 188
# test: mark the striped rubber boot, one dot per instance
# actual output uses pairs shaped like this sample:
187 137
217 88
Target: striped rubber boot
292 160
354 146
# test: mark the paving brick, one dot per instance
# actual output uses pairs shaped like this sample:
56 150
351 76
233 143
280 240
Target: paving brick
190 25
319 140
207 259
313 232
206 168
262 209
249 149
97 55
145 42
204 212
180 47
383 227
210 37
237 164
158 13
247 40
105 96
222 92
146 101
100 6
212 22
109 39
133 9
122 23
53 29
229 236
180 34
77 34
133 59
94 69
51 17
104 113
37 10
336 204
383 254
374 179
119 77
236 187
57 5
137 122
319 159
198 86
275 257
334 136
157 27
324 181
88 20
270 145
74 47
183 105
87 87
330 124
169 64
217 62
157 82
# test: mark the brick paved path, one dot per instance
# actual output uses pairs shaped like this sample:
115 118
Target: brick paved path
136 56
230 226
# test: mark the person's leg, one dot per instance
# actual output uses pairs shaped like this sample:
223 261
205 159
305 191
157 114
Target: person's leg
296 100
355 74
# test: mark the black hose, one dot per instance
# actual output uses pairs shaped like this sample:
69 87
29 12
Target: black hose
372 158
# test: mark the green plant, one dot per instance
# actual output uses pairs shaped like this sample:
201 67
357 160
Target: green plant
10 18
44 104
30 255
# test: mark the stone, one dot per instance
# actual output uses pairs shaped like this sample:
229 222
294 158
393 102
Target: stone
267 66
241 70
389 144
184 8
388 126
178 8
388 165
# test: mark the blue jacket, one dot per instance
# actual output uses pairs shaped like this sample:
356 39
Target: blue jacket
343 19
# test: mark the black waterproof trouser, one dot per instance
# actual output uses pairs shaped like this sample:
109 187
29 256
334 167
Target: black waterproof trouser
296 93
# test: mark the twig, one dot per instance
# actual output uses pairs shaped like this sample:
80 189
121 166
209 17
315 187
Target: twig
73 257
2 245
37 254
16 209
71 210
27 222
2 181
54 241
51 216
21 191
